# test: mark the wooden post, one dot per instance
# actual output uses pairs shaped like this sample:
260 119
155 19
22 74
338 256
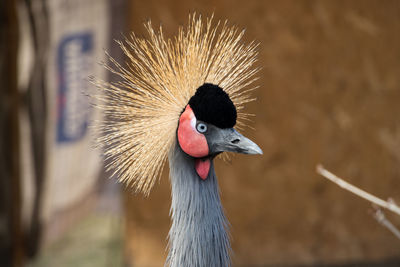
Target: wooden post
11 246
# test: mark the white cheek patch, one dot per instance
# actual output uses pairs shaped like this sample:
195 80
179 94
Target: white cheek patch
193 122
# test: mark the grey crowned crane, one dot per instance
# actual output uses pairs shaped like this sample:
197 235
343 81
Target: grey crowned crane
180 99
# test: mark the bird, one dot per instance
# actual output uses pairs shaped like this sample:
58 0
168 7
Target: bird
181 100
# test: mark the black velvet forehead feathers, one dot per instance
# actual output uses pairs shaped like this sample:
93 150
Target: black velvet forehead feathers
212 105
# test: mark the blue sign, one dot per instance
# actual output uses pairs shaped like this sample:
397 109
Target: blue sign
74 63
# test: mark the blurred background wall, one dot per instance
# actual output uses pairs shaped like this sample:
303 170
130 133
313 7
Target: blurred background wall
329 91
51 175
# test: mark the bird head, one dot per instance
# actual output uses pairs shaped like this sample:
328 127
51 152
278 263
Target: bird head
206 128
190 90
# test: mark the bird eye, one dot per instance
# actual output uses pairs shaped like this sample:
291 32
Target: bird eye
201 127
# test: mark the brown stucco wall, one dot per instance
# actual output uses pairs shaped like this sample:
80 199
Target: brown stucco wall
329 93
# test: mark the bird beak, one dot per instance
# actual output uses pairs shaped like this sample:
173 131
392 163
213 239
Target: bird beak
230 140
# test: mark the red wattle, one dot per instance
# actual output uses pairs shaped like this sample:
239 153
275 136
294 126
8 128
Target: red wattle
202 167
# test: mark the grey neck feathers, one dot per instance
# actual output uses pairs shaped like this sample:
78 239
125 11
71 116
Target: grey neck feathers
198 236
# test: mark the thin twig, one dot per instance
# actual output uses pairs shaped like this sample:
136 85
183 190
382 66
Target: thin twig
390 205
379 215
